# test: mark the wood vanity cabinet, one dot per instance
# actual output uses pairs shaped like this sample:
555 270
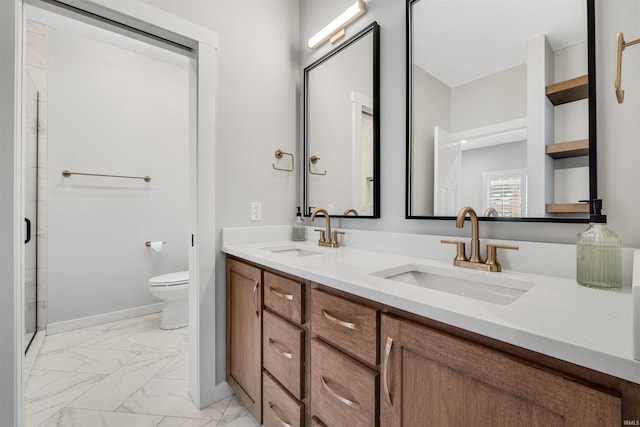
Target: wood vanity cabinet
244 334
433 378
304 354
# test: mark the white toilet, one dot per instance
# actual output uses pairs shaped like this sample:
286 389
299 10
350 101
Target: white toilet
173 290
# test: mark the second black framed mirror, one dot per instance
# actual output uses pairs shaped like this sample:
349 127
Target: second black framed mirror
501 109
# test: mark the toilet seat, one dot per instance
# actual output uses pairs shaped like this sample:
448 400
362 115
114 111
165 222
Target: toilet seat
170 279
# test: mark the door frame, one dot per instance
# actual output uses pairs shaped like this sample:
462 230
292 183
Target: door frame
203 386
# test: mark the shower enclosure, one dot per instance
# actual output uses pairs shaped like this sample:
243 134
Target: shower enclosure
31 212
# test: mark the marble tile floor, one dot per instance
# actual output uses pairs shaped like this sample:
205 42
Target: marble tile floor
121 374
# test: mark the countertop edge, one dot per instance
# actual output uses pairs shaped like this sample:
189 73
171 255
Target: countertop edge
617 366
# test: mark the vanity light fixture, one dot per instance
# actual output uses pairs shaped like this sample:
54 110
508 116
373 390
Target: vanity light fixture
336 28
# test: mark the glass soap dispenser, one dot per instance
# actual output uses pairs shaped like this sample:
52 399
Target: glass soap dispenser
299 231
599 252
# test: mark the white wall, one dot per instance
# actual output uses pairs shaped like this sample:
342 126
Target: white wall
618 126
431 107
258 83
10 225
500 97
257 108
113 111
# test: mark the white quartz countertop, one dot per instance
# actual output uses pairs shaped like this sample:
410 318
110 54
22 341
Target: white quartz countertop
556 317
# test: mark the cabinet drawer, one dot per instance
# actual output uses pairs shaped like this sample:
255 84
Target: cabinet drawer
347 324
283 352
343 390
284 296
280 409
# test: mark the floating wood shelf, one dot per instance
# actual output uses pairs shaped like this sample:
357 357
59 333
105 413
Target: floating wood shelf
567 208
564 150
569 90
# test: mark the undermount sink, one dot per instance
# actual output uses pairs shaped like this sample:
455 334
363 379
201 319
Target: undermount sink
292 251
491 287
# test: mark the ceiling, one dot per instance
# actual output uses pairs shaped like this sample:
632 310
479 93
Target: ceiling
458 41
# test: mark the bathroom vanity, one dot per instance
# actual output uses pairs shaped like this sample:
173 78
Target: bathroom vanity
319 336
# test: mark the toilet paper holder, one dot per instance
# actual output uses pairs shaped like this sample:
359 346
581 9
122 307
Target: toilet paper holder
148 243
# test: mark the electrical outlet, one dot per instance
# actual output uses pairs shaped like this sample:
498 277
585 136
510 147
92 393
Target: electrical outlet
331 209
256 211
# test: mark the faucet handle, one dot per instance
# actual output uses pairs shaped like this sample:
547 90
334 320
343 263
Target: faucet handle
334 239
492 255
323 236
460 252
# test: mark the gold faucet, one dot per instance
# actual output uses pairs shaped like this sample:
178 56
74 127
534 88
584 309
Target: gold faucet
475 240
327 238
475 261
490 212
350 210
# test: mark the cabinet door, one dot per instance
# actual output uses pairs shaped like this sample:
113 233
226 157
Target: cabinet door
244 340
432 378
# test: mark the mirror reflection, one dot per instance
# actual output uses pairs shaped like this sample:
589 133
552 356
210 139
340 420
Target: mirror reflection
341 129
481 122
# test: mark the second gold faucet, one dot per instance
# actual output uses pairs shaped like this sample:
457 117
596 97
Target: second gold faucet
327 238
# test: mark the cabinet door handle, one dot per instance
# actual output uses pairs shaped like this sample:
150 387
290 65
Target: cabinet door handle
351 403
274 408
255 296
272 344
385 369
347 325
280 294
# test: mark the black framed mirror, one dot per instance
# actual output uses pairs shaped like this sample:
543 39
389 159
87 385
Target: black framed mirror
501 109
342 129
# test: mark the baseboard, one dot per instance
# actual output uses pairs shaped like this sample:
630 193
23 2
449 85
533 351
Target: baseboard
99 319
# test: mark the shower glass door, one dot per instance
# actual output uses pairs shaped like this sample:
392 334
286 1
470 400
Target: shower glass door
31 214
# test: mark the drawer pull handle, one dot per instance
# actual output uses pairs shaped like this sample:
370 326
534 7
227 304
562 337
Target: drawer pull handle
281 352
316 422
255 296
280 294
351 403
385 369
347 325
274 408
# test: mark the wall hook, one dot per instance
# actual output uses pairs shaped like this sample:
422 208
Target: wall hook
620 46
279 154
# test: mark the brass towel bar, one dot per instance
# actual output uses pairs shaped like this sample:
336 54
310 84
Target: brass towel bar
621 45
67 174
279 154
